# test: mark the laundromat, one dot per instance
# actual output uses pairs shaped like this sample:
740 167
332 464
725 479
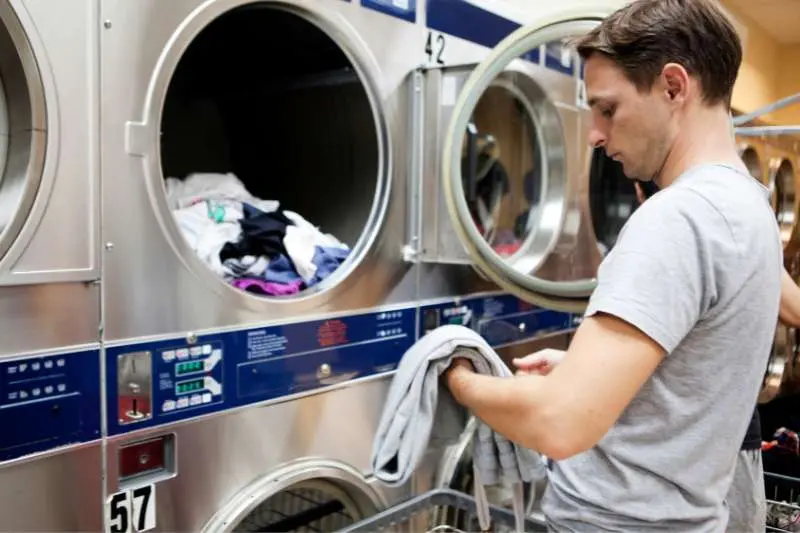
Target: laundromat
399 265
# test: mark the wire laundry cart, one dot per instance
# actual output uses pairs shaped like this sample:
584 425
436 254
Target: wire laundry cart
783 502
438 509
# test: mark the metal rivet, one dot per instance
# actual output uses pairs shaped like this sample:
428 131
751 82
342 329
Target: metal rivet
107 24
109 245
191 338
324 371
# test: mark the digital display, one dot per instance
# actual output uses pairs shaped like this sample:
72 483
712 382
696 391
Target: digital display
188 367
189 386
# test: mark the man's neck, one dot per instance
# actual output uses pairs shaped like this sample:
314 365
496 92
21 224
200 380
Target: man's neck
705 138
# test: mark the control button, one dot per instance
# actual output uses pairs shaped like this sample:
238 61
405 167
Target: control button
36 392
13 395
195 399
48 364
207 397
23 367
61 387
168 355
23 394
182 353
169 405
195 351
183 402
12 369
35 366
217 353
48 389
60 363
206 349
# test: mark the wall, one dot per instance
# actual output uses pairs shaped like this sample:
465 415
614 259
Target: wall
757 84
789 83
770 71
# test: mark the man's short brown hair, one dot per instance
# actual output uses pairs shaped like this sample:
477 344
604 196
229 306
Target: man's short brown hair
645 35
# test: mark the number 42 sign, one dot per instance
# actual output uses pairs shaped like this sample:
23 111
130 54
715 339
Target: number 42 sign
132 510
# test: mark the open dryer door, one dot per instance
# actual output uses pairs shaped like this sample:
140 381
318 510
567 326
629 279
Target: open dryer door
515 270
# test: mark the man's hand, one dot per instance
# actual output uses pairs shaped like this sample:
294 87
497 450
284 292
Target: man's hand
539 363
457 369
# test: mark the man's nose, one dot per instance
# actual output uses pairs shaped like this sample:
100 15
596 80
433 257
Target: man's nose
596 138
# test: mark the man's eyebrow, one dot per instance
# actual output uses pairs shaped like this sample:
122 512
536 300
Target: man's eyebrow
595 100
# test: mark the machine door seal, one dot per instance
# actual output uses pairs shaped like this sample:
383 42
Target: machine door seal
517 274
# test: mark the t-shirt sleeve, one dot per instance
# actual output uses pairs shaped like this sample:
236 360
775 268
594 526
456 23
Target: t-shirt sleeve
659 276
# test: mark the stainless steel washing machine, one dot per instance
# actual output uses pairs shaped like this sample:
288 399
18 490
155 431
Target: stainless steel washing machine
50 430
782 180
531 208
753 154
298 110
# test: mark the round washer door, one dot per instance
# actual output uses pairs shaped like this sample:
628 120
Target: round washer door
23 127
307 495
782 180
515 272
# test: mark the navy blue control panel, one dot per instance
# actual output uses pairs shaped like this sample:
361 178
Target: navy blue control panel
164 381
501 319
160 382
402 9
48 401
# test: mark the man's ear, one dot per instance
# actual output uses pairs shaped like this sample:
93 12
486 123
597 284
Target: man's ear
674 81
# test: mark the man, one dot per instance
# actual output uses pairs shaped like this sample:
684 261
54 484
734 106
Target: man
746 500
644 416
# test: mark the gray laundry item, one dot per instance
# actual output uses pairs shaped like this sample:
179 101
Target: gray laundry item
420 410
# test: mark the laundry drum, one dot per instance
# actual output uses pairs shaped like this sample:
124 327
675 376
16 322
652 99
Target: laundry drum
22 127
503 170
752 162
612 199
271 152
308 499
784 193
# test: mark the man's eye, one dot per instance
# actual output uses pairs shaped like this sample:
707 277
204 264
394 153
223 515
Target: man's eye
608 112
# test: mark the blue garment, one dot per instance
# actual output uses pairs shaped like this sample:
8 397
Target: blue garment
281 270
327 259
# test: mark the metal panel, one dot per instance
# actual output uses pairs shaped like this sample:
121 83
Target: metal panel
218 459
58 493
58 240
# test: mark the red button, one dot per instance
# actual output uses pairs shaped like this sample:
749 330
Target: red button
142 457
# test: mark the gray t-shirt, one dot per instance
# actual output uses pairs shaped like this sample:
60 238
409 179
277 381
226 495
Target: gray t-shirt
697 268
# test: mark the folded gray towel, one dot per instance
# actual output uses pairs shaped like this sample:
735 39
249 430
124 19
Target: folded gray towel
414 410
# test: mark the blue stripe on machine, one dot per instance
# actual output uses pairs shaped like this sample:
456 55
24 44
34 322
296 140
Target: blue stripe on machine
49 401
554 56
466 21
402 9
225 370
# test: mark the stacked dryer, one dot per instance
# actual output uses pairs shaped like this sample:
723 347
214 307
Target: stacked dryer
254 218
50 394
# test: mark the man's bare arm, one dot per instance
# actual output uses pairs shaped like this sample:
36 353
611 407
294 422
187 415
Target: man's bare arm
573 407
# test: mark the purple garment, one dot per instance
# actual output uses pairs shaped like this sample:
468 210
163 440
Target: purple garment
260 286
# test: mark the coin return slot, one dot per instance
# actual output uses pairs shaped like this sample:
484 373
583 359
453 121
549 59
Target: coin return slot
134 387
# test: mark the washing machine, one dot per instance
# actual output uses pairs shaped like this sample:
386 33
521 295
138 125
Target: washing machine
50 423
531 208
241 134
752 151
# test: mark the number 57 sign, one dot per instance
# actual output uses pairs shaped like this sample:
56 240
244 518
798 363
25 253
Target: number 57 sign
131 511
